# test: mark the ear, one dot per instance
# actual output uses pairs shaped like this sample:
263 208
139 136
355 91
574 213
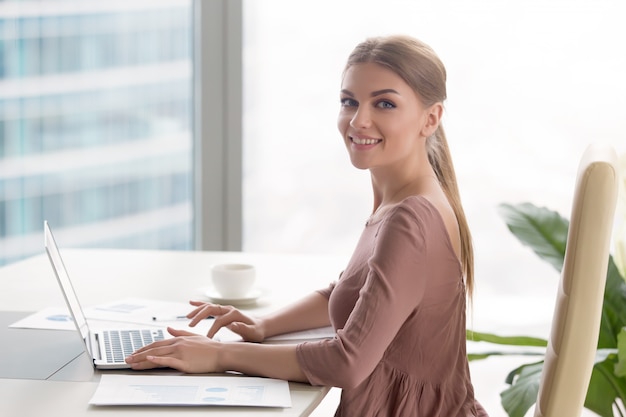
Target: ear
433 118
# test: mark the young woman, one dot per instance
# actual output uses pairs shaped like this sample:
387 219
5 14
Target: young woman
399 306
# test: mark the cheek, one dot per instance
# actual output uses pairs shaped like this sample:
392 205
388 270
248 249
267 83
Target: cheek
408 128
343 121
402 138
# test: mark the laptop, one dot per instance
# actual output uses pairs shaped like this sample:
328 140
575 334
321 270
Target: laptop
108 348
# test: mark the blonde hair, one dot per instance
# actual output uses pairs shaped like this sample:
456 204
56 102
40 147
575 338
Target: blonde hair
418 65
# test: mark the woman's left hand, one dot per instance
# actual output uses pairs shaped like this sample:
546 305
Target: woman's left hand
188 352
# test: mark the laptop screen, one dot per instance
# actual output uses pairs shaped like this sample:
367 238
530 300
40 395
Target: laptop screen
64 281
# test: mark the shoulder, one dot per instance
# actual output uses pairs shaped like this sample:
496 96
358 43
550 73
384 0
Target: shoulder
418 213
417 206
413 214
433 218
412 226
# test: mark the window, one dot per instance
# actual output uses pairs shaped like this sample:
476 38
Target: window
95 124
530 84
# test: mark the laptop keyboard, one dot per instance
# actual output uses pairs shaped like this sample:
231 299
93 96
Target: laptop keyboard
118 344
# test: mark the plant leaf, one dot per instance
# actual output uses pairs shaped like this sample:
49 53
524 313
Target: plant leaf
484 355
506 340
543 230
604 387
522 394
613 308
620 366
525 380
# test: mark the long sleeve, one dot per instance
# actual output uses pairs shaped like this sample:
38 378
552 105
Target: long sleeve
399 314
397 275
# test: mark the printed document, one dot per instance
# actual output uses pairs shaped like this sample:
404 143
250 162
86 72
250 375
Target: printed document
191 390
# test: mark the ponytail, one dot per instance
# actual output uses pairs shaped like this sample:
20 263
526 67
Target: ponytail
441 161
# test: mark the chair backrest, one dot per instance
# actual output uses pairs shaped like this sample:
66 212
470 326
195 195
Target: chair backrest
573 338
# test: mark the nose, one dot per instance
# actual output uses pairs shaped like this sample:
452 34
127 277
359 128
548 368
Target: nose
361 118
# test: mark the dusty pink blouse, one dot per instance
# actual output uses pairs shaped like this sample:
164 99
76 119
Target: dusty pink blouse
399 313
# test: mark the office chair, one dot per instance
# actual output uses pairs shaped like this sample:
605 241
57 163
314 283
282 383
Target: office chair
575 327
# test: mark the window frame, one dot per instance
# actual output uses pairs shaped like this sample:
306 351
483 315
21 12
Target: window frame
217 124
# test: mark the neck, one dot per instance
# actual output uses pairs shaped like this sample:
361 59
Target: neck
392 192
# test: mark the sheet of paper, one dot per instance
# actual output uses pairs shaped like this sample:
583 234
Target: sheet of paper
130 312
124 314
191 390
50 318
140 311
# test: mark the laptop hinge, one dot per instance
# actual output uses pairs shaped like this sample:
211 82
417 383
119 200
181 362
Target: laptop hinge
94 347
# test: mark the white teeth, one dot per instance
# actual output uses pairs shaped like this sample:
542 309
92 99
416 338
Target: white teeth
365 141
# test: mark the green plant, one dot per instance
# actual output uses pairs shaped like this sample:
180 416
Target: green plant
545 232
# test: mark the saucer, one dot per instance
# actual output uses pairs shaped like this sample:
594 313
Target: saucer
250 298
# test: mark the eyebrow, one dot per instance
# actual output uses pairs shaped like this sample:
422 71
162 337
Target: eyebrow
373 93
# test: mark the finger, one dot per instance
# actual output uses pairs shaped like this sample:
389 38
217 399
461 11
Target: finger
178 332
138 360
247 332
194 312
199 308
208 310
199 305
202 313
166 361
226 319
153 345
140 366
195 317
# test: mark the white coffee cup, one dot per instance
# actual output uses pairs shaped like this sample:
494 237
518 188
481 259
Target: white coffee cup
233 280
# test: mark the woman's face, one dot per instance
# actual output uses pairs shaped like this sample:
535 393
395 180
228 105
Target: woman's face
382 120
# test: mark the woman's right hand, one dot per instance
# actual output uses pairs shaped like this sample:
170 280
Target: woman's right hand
250 329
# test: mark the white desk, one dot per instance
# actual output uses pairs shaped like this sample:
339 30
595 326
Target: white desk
101 276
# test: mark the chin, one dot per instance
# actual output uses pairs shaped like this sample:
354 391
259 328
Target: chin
359 164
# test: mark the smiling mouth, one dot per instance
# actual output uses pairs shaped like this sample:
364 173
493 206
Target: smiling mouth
364 141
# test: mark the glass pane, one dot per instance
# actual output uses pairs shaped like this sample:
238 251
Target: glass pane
529 86
95 125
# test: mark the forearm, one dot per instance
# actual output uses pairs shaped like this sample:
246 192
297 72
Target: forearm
308 313
272 361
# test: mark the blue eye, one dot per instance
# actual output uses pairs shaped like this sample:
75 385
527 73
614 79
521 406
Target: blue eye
348 102
384 104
